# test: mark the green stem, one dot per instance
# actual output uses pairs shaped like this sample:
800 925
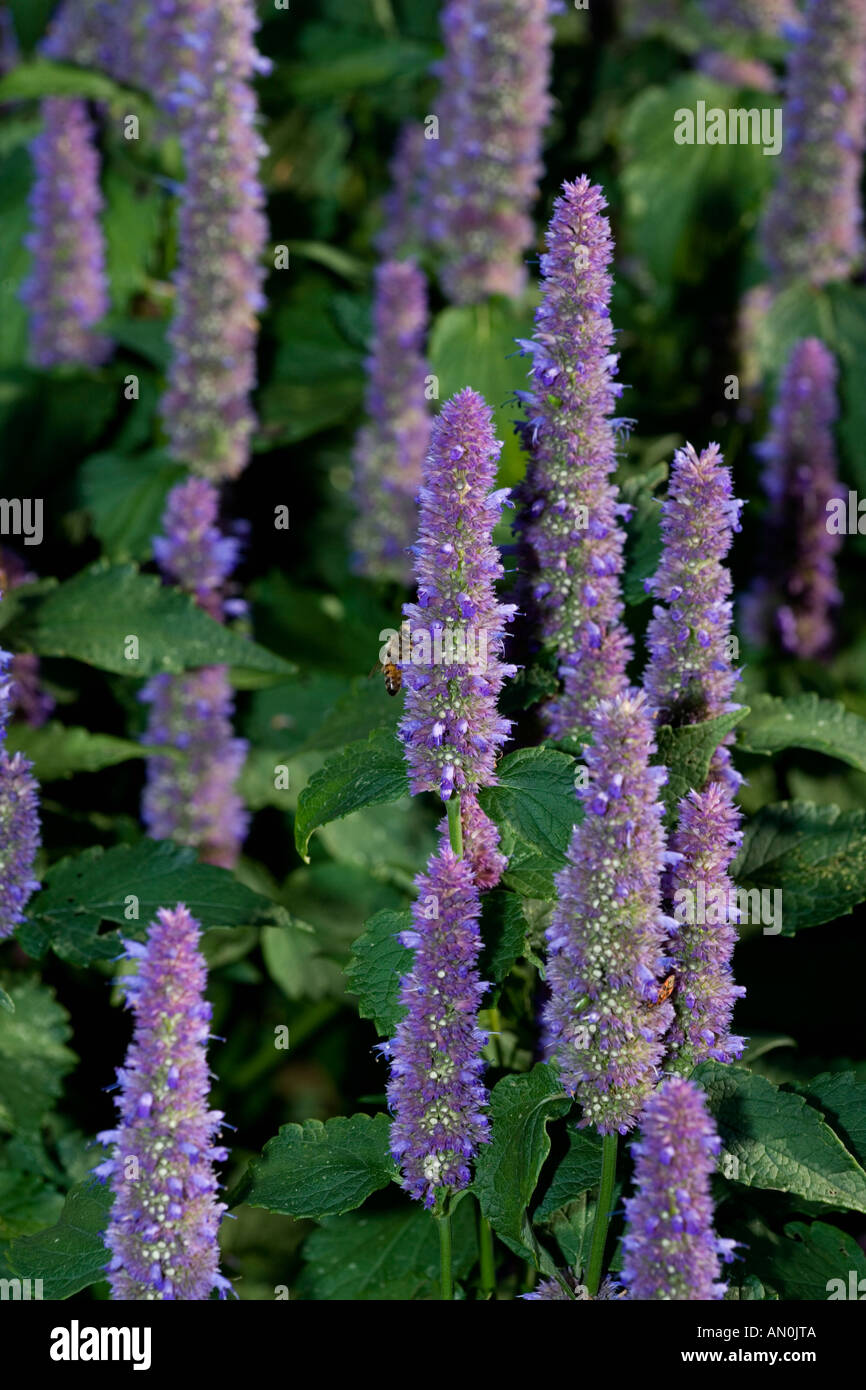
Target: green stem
455 826
602 1213
446 1276
486 1259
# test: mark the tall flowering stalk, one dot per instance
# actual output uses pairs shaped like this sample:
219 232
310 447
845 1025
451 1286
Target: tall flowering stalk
494 104
390 448
794 600
671 1250
451 729
813 224
570 516
435 1092
66 291
19 818
690 675
192 798
606 941
702 945
208 59
163 1229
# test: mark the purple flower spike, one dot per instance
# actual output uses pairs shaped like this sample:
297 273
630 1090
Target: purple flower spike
451 730
690 675
494 105
66 291
104 34
672 1253
702 945
435 1092
192 799
209 60
390 448
19 817
193 553
606 962
480 843
164 1223
813 224
794 601
570 517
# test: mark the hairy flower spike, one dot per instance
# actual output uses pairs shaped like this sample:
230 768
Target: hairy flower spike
390 448
569 509
435 1092
671 1250
66 290
27 695
19 816
163 1229
451 730
193 553
794 600
690 675
108 34
813 224
606 959
707 839
209 61
402 214
494 105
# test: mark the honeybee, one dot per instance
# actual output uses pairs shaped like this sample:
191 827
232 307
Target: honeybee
393 677
388 663
665 992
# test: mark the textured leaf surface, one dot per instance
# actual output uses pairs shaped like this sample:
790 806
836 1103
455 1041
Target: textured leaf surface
816 856
70 1256
804 721
316 1170
507 1168
378 960
778 1141
363 774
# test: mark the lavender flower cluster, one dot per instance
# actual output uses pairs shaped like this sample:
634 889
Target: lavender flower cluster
19 817
795 598
570 515
607 937
671 1250
390 448
191 798
813 224
163 1229
494 104
451 729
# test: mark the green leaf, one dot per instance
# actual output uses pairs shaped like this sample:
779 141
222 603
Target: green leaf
70 1256
364 774
816 856
682 179
46 79
294 959
841 1096
687 752
315 1170
27 1203
34 1057
386 1256
369 64
84 890
126 499
59 750
804 1266
578 1172
507 1169
530 873
773 1139
133 222
473 345
804 721
535 799
377 962
92 616
504 929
